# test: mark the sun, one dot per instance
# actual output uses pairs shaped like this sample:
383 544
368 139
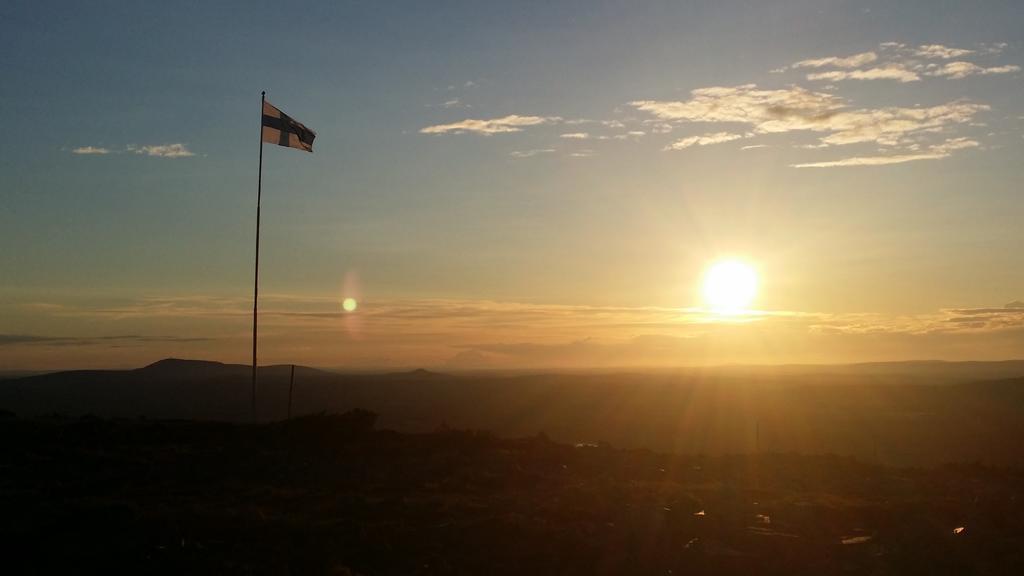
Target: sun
730 286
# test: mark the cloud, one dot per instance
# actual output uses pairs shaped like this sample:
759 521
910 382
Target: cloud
993 47
887 126
935 152
902 63
887 72
14 339
854 61
769 110
940 51
453 103
703 140
961 69
582 154
1009 317
90 150
510 123
870 160
530 153
29 339
798 109
767 339
177 150
159 150
753 146
575 135
411 332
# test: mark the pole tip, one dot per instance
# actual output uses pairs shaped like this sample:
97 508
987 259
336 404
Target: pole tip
263 93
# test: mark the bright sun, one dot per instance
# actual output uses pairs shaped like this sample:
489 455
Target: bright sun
730 286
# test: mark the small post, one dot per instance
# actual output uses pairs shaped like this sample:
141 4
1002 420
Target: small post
757 436
291 386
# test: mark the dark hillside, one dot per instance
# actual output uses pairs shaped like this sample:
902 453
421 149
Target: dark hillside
709 412
329 495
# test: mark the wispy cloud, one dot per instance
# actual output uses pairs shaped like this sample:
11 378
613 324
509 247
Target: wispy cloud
796 108
940 51
177 150
90 150
896 72
897 61
959 69
767 110
530 153
703 140
903 133
854 61
935 152
505 124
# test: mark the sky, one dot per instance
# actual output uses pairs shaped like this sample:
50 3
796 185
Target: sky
511 185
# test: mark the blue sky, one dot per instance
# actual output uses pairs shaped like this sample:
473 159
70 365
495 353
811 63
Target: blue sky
397 213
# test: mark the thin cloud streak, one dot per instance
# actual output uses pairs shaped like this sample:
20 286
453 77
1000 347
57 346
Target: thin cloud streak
854 61
505 124
490 314
703 140
940 51
939 151
530 153
889 72
960 70
177 150
90 150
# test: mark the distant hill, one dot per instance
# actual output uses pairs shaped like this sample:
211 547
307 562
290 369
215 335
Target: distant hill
12 374
170 388
863 410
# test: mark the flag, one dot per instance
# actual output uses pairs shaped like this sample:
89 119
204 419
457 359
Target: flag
283 130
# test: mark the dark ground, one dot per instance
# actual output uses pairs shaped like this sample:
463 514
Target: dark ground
330 495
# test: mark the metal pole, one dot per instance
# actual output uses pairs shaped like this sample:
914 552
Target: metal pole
757 436
291 386
256 278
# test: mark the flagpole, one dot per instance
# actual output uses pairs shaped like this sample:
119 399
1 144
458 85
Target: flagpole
256 278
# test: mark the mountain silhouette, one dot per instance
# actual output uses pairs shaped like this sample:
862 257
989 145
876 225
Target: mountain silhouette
906 413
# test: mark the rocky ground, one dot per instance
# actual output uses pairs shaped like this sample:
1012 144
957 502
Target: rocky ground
332 495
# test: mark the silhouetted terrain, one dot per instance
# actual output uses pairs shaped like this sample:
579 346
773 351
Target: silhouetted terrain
902 413
329 495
